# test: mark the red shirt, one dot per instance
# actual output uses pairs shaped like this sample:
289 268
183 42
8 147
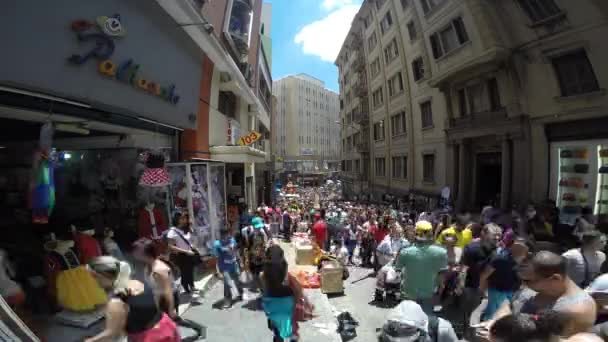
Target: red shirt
319 230
377 232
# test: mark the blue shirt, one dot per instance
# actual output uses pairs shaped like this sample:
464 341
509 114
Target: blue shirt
225 250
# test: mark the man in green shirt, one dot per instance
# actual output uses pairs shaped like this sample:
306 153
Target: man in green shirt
420 264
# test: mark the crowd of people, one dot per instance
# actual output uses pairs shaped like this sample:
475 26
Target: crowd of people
508 275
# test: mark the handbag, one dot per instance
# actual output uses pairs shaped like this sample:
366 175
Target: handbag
196 258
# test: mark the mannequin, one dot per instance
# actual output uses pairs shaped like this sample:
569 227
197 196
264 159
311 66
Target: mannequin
110 246
86 245
150 223
69 284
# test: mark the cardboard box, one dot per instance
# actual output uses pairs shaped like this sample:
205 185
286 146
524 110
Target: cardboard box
331 277
304 255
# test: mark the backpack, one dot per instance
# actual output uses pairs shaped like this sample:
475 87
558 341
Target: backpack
257 245
391 330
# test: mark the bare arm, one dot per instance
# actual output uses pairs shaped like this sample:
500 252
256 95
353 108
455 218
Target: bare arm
582 318
116 321
173 248
483 279
164 284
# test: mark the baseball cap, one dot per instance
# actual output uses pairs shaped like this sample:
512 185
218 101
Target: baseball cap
599 285
257 223
424 230
406 322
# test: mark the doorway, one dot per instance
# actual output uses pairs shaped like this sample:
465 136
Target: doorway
489 178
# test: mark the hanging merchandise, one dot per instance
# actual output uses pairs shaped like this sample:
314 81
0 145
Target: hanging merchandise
70 284
42 185
155 174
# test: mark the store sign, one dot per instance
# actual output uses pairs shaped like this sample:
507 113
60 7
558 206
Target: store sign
307 152
233 132
102 33
250 138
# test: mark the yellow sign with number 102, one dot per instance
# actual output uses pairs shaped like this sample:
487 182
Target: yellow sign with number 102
250 138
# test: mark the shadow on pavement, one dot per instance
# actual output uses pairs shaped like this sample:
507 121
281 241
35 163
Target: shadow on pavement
253 305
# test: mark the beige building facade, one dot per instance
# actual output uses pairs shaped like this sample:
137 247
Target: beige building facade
514 86
306 138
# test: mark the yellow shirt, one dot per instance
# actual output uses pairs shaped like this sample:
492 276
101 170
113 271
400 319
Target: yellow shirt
464 237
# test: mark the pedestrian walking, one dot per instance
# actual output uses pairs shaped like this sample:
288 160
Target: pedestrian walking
226 251
182 252
132 308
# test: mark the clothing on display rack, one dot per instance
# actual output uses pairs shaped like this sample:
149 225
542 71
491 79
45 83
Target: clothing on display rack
155 174
151 223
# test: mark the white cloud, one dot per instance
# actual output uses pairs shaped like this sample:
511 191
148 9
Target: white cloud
331 4
324 37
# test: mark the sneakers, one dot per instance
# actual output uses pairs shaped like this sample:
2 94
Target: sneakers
227 304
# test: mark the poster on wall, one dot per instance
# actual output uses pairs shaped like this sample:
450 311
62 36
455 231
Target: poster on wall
200 206
178 189
217 204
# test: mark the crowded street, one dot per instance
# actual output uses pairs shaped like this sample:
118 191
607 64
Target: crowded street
304 171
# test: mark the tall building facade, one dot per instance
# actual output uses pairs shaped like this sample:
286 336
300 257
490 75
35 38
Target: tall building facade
511 98
235 93
307 124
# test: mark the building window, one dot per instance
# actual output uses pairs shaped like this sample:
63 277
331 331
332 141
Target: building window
428 168
386 22
372 41
449 38
395 85
426 112
575 73
398 124
478 98
411 30
400 167
379 3
357 166
494 95
391 52
539 10
429 5
379 130
375 67
418 69
377 98
380 164
405 3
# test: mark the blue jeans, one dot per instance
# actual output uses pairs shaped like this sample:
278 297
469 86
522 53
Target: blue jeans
231 281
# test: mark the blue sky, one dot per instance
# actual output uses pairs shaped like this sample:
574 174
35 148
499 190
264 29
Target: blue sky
307 36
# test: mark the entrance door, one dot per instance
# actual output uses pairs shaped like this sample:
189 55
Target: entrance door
489 176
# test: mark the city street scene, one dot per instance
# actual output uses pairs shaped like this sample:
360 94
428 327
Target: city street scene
304 170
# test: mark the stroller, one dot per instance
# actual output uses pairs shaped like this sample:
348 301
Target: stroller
388 283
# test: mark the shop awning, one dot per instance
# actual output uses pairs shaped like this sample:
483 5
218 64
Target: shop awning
237 154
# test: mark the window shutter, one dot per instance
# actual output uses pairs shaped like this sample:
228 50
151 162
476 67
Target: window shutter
461 31
435 46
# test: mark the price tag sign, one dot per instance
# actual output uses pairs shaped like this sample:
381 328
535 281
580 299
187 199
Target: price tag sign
250 138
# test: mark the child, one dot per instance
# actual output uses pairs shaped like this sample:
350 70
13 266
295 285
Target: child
226 251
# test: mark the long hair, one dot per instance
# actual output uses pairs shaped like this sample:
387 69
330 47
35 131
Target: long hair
118 271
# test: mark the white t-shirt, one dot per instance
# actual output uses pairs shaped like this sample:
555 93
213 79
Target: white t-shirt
178 237
577 268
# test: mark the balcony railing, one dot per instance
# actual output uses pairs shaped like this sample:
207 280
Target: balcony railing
359 61
478 119
362 147
361 117
360 88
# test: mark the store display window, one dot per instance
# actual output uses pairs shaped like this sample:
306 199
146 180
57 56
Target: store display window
579 178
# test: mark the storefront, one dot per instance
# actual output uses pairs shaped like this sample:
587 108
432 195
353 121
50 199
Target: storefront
109 86
579 168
